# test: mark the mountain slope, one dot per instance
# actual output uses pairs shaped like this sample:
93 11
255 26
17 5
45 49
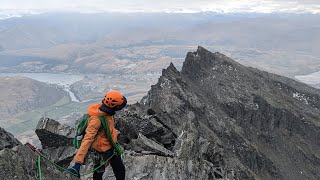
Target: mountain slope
20 94
215 119
267 125
219 119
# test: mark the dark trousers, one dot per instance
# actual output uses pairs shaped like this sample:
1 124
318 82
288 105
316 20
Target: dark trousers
115 162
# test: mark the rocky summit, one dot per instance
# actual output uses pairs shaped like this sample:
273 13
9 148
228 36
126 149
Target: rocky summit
214 119
19 162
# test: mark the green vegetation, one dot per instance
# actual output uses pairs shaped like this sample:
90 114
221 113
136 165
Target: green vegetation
28 121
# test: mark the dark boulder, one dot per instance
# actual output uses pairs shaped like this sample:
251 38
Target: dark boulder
20 162
7 140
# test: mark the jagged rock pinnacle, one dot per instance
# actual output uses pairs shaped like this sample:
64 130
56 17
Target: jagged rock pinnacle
247 111
171 71
217 119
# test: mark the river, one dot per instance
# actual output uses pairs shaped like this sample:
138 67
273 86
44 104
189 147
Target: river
64 80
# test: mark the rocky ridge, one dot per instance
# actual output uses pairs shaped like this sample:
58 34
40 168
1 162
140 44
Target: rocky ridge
214 119
19 162
247 123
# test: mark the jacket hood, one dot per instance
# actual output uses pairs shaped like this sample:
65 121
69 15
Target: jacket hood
93 110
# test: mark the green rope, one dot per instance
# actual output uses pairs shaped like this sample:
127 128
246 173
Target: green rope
64 169
118 150
39 167
116 146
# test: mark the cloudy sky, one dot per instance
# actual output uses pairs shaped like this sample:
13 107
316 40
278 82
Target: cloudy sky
188 6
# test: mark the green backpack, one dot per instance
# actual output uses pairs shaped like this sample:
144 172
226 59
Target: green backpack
81 131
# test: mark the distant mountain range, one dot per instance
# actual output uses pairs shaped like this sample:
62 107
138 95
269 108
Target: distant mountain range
286 44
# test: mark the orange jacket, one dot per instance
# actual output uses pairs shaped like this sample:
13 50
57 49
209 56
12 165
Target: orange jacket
101 143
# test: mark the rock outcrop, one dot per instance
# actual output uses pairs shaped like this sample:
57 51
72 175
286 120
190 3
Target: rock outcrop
218 119
52 134
56 141
7 140
214 119
20 162
246 123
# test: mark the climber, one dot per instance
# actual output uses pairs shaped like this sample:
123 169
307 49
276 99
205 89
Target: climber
95 139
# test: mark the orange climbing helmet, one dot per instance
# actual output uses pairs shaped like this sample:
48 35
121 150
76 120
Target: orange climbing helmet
113 98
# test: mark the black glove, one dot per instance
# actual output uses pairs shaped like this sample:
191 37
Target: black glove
75 170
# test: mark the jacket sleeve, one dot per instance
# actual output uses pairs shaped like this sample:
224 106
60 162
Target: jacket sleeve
91 131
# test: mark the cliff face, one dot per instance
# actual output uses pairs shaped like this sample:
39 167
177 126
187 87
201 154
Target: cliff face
218 119
244 122
263 125
214 119
20 162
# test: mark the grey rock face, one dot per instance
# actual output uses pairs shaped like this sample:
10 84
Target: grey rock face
7 140
56 140
133 121
154 151
262 125
216 119
20 163
61 155
142 143
147 167
53 134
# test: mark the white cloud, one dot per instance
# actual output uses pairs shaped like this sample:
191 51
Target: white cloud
265 6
